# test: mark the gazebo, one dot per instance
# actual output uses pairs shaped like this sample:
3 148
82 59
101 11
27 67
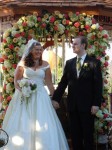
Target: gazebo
12 10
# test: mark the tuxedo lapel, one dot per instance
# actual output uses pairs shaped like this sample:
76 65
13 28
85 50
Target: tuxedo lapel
74 67
82 68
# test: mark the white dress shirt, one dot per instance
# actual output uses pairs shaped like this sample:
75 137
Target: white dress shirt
82 61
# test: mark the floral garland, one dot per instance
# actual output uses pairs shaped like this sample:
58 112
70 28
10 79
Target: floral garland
104 116
50 25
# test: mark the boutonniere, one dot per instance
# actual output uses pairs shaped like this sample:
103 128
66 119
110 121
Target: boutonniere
86 66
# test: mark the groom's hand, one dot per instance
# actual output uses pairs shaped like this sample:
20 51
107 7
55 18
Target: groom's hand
55 104
94 109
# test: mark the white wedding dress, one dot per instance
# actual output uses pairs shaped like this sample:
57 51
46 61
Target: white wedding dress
34 126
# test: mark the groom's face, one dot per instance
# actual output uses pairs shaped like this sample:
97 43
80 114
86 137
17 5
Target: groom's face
77 46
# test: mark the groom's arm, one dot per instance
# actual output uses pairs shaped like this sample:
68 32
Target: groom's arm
98 85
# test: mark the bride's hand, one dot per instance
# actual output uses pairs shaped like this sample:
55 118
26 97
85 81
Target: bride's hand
17 87
55 104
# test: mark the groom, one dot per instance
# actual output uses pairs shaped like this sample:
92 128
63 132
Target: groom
83 77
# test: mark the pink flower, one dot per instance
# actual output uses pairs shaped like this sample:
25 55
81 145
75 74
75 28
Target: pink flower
100 28
87 27
66 16
17 35
55 28
39 19
77 13
9 98
104 104
93 37
99 57
93 21
77 24
22 34
105 115
24 24
1 60
4 57
14 66
29 37
4 41
11 46
110 124
43 25
105 81
4 68
104 53
105 36
67 22
106 64
89 46
4 87
81 33
52 19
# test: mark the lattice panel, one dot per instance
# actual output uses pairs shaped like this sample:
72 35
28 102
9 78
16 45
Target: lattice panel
105 3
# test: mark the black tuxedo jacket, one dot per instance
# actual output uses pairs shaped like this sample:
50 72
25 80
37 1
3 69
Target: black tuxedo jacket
83 91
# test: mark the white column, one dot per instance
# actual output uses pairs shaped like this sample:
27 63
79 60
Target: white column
0 32
63 51
0 67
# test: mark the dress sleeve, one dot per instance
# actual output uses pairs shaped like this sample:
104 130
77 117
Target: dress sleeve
48 66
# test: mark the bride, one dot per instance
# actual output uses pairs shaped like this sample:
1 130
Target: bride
35 125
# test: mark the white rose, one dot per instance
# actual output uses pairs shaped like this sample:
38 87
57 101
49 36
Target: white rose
102 60
30 24
88 21
11 72
89 35
104 32
9 88
21 50
6 33
7 64
61 27
99 114
97 25
26 91
22 82
14 33
19 23
8 39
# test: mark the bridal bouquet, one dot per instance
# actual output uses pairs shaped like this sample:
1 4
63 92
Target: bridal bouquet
27 86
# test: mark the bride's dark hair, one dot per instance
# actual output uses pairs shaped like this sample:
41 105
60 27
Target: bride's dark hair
28 61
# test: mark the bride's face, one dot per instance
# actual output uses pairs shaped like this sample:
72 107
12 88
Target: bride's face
37 52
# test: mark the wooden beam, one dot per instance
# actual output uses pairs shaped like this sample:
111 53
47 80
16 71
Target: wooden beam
97 11
91 10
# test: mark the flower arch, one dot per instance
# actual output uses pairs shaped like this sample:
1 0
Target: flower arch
50 25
